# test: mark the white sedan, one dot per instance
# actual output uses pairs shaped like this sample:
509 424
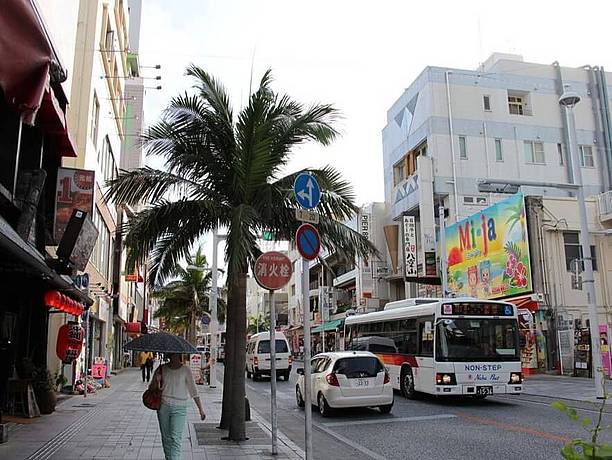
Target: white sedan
347 379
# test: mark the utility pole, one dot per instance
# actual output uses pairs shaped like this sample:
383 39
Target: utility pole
569 100
307 369
214 323
443 260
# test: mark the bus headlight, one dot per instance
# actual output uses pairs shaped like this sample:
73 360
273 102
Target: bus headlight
516 377
446 379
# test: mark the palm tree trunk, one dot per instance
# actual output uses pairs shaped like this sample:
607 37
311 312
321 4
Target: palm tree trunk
237 426
192 326
226 408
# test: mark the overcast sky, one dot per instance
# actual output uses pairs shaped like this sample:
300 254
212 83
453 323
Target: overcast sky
357 55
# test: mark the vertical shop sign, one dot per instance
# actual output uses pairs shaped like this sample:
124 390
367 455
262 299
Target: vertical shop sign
410 247
74 190
604 341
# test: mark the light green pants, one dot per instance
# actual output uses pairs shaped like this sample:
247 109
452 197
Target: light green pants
171 422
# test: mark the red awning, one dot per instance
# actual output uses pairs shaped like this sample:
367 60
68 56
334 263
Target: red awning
26 57
525 301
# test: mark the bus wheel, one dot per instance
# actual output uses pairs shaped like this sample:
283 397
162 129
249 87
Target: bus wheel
407 383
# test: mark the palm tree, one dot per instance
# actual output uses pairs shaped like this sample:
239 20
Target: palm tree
226 171
185 299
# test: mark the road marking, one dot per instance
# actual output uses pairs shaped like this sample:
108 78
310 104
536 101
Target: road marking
515 428
392 420
351 443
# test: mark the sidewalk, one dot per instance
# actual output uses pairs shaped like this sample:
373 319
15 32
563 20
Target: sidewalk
115 424
561 386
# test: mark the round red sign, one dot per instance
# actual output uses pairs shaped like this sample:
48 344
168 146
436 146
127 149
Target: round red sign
273 270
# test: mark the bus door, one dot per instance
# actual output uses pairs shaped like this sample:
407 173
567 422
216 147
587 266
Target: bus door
424 375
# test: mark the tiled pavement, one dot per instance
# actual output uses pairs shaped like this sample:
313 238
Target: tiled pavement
114 424
563 387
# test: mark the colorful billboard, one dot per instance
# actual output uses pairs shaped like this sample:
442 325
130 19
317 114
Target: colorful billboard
75 190
488 253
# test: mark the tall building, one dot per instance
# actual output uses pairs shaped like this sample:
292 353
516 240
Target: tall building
503 122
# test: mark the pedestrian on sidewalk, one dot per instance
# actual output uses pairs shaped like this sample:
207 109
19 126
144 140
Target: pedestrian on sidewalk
146 364
205 372
177 384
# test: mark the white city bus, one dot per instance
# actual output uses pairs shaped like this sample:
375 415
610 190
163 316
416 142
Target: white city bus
458 346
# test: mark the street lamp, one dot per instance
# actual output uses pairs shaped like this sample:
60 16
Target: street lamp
568 100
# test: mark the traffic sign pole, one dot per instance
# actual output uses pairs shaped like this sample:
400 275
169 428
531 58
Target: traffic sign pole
273 374
307 369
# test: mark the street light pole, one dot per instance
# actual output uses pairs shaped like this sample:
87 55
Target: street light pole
568 100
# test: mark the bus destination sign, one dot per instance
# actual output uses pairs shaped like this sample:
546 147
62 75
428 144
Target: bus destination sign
477 309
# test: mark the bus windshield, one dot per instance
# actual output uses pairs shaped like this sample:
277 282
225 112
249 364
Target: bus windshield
477 340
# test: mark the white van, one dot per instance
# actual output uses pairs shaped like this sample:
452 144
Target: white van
258 356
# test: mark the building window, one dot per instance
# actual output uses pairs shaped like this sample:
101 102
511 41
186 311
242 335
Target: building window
486 102
518 103
586 156
534 152
573 250
462 148
293 290
560 152
95 118
399 172
499 154
106 161
100 257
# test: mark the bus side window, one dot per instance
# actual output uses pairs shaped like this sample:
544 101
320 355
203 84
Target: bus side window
426 339
406 337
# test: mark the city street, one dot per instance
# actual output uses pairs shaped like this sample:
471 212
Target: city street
499 427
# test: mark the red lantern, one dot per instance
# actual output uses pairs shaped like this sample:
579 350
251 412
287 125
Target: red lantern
69 342
53 299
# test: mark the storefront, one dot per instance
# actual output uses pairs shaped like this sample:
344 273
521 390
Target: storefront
330 333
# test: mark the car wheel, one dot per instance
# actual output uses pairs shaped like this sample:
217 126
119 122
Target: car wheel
324 408
407 384
298 397
385 409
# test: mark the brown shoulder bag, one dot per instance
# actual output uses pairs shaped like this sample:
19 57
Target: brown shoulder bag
152 398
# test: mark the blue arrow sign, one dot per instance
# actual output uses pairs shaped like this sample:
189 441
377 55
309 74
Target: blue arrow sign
307 191
308 241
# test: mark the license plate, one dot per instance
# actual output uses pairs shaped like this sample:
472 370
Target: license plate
484 391
361 382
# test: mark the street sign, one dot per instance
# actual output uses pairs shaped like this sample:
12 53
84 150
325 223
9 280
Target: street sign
273 270
308 241
306 215
307 191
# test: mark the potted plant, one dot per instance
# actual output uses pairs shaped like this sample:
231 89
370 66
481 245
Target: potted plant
60 381
44 390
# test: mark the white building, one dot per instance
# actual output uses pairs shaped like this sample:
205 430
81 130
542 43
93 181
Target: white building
452 127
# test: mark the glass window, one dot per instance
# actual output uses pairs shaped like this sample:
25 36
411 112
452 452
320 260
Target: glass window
426 338
359 366
486 102
586 156
573 250
264 346
462 148
516 105
534 152
477 340
499 154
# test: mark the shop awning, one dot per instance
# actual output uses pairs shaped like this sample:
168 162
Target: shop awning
27 60
329 326
527 301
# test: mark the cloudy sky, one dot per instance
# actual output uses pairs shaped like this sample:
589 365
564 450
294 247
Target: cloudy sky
357 55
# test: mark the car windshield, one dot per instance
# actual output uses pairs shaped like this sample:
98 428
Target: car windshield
477 340
264 346
359 366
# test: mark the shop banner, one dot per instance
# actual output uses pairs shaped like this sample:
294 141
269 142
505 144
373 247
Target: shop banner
410 246
488 253
74 190
195 363
604 342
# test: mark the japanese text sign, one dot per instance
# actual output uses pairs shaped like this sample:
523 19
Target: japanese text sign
410 247
273 270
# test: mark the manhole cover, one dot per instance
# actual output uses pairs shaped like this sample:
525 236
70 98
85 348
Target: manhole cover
208 434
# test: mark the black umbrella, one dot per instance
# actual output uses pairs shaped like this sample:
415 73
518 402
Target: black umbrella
161 342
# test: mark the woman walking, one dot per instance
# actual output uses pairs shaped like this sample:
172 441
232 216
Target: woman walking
177 385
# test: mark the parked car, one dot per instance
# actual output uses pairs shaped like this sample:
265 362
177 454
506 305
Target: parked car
347 379
258 356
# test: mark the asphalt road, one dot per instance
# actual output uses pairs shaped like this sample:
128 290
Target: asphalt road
524 427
